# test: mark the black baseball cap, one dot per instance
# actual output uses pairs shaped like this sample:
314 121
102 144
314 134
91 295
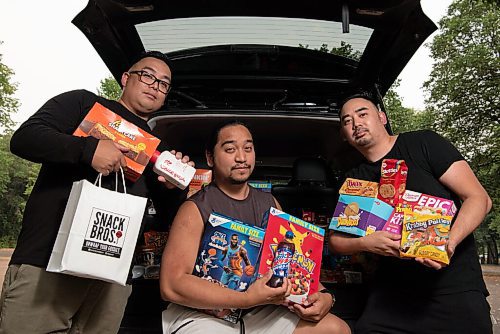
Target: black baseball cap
359 93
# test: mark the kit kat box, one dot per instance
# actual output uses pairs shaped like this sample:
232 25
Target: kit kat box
102 123
228 254
305 265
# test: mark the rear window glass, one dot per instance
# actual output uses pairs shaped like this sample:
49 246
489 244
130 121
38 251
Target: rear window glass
178 34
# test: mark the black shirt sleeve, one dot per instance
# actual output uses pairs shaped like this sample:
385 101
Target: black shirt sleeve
46 137
440 153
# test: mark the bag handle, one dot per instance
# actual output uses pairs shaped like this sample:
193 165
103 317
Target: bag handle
99 178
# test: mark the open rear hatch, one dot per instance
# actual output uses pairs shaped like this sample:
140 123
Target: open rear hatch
248 54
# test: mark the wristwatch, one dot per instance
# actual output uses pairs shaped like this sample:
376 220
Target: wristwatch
325 290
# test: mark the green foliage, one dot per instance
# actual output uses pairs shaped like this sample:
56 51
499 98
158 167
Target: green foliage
345 50
109 88
404 119
464 84
16 180
464 89
8 104
17 176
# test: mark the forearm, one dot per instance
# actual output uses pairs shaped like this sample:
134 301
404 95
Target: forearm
342 244
193 291
470 216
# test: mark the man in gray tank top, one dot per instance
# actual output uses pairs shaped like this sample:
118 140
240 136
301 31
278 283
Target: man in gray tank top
230 153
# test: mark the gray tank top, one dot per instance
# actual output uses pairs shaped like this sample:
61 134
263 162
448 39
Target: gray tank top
251 210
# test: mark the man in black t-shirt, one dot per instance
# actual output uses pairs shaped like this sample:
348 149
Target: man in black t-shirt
34 300
418 295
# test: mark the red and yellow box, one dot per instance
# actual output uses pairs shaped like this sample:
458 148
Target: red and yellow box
392 183
102 123
306 262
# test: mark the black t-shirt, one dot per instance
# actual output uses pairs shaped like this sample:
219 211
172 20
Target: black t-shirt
46 138
428 156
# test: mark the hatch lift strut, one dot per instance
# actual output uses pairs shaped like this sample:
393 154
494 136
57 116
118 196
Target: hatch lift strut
345 18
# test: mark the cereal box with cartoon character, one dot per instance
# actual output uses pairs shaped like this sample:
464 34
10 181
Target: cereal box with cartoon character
304 268
228 255
102 123
425 235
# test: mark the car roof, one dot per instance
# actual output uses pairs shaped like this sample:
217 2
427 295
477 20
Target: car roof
392 31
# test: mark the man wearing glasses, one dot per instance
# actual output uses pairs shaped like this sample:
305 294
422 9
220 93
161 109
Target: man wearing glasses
36 301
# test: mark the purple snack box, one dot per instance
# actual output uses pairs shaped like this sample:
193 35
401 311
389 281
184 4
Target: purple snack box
360 215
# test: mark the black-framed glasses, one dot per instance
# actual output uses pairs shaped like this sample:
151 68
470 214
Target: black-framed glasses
149 79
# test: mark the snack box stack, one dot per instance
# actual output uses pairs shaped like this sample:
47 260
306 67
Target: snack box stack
102 123
201 178
306 262
359 211
213 259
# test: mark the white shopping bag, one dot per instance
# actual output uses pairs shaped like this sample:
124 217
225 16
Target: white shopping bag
98 233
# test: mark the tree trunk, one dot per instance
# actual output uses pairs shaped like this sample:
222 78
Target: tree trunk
492 250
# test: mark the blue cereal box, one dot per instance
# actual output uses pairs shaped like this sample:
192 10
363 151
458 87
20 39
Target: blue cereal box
229 251
261 185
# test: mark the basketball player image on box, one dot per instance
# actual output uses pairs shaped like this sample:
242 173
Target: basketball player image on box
233 271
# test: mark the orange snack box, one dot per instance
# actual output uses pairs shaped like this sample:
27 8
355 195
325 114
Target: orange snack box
201 178
358 187
102 123
392 183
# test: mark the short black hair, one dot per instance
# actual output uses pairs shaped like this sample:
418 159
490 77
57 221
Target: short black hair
366 94
214 136
154 54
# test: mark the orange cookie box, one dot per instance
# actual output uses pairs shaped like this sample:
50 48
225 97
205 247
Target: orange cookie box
201 178
102 123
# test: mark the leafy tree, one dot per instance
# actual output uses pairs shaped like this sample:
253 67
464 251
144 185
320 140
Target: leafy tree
109 88
403 119
16 175
345 50
464 91
8 104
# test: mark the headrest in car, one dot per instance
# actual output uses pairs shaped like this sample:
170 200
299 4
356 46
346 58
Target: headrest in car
309 171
